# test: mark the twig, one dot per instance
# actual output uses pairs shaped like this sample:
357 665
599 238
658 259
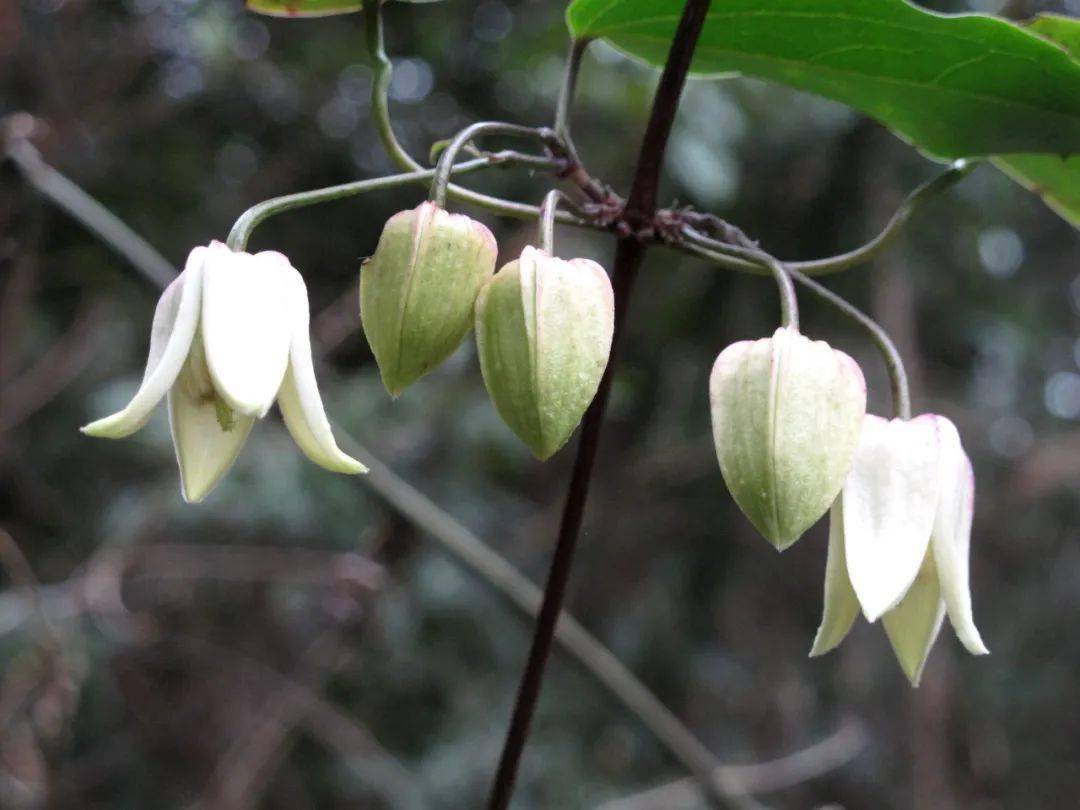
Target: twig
54 369
232 563
324 722
894 363
833 752
110 229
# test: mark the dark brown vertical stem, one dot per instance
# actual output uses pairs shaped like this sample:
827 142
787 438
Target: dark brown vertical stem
641 204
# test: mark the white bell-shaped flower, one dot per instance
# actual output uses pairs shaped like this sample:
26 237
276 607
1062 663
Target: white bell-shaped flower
899 540
230 335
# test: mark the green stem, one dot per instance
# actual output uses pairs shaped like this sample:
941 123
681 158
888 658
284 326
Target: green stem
566 94
441 182
383 70
547 220
733 258
789 302
736 256
250 219
894 363
915 200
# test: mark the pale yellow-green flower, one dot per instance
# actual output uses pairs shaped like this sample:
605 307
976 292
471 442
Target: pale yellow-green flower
543 333
786 413
417 292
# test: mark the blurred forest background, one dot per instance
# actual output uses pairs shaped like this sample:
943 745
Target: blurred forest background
296 643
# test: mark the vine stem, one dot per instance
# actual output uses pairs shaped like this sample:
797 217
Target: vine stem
731 257
894 364
256 214
441 181
380 109
547 220
789 303
566 94
629 252
51 602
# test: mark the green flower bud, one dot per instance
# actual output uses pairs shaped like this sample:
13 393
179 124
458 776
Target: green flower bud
786 414
543 332
417 292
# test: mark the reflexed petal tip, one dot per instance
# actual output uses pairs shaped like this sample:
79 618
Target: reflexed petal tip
299 399
951 539
176 319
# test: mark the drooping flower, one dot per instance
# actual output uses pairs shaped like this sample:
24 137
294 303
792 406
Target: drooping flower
418 290
543 332
786 413
899 540
230 335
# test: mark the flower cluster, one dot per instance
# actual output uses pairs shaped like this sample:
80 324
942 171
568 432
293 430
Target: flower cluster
543 325
793 439
794 442
230 336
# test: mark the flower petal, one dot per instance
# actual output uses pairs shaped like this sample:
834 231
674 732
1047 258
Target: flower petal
299 399
914 624
176 319
951 537
246 325
204 450
841 604
890 499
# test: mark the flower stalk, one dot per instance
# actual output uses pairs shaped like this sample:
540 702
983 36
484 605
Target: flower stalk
440 183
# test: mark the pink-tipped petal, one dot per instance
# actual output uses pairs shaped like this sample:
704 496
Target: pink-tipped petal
890 499
951 538
175 322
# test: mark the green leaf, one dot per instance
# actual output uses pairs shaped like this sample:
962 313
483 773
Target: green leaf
1055 179
311 8
1065 31
955 86
304 8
